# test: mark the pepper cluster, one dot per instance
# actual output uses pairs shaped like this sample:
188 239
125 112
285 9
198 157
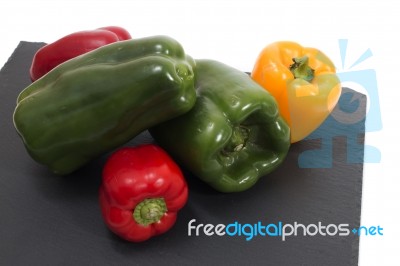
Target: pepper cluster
93 91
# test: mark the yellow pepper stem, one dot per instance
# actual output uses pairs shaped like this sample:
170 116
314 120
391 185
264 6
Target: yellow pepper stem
301 69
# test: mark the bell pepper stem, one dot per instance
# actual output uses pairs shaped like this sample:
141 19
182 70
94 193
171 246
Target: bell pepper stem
149 211
237 142
301 69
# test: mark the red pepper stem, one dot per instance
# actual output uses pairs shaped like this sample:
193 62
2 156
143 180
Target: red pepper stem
301 69
149 211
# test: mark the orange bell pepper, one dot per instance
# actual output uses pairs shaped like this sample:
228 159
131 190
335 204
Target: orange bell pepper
303 80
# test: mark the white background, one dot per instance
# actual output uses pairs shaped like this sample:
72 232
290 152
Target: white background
234 32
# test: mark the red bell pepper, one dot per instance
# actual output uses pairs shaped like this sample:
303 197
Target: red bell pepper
121 33
72 45
141 192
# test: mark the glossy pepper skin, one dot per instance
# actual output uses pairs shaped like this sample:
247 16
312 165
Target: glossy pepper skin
303 80
73 45
232 136
98 101
141 193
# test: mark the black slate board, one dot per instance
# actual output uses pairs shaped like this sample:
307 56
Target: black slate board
50 220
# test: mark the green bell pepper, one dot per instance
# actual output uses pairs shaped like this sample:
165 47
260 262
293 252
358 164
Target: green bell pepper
234 133
98 101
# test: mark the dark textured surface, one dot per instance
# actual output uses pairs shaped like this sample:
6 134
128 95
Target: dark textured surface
50 220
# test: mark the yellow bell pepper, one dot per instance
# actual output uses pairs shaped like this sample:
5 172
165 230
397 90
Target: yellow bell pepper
303 80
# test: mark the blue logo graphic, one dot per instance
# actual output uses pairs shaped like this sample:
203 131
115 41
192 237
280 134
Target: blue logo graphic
368 231
348 118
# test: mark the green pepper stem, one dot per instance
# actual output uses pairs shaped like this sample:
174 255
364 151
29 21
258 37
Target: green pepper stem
149 211
301 69
237 142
